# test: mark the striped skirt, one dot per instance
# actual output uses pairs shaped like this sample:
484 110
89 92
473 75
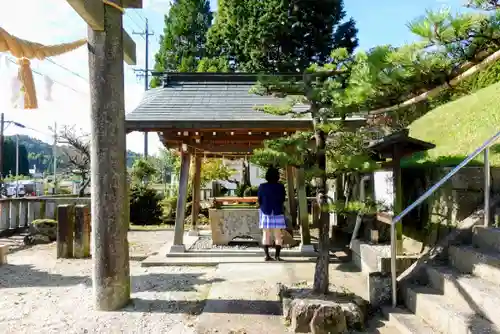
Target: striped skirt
271 221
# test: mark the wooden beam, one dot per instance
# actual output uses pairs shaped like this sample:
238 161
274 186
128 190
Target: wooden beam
92 12
129 49
132 3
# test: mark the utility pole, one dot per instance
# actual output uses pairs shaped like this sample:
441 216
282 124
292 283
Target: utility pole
2 125
54 154
17 165
146 35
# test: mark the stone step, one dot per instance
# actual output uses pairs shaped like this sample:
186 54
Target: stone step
162 260
482 296
486 238
242 253
444 315
406 322
480 263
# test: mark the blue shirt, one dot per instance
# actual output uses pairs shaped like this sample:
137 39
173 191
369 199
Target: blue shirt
271 198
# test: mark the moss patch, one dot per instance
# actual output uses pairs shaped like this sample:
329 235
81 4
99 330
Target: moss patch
458 128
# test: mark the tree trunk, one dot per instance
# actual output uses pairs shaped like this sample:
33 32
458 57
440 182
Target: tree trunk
321 276
83 186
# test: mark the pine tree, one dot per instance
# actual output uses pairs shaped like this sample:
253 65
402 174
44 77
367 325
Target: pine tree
182 44
279 35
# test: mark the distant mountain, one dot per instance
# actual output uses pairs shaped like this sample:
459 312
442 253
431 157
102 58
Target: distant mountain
40 153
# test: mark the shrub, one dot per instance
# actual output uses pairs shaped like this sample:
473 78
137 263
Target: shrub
250 191
145 208
169 206
240 190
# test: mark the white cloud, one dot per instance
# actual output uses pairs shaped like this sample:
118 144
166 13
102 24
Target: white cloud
52 22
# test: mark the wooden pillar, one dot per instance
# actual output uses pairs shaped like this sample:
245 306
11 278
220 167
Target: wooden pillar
180 212
65 231
305 238
398 198
82 231
111 270
195 209
292 203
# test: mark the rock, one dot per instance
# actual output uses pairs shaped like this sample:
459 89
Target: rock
328 319
302 312
335 312
354 315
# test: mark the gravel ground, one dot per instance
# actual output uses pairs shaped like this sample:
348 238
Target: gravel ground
41 294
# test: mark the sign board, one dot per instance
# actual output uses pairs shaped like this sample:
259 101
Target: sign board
384 189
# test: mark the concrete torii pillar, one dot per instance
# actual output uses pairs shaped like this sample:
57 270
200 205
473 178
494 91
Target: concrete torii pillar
108 47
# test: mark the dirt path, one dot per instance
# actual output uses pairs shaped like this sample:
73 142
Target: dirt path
41 294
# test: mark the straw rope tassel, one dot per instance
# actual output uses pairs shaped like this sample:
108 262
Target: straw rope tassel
25 50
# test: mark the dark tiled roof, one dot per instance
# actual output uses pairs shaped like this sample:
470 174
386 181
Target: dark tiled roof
206 97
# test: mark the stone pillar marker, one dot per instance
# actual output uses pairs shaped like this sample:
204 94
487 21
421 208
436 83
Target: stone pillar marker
82 232
111 268
23 213
195 210
65 231
178 246
14 214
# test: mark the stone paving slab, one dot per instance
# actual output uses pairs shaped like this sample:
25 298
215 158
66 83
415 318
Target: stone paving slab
244 300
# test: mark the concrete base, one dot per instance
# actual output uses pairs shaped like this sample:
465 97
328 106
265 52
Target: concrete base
377 258
193 233
177 249
307 249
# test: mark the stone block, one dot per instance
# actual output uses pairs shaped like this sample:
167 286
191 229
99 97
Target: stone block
379 288
82 232
65 231
4 250
227 224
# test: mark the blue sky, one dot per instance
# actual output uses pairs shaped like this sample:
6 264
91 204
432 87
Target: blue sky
54 21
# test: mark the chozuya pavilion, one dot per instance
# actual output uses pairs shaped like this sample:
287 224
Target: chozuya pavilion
212 115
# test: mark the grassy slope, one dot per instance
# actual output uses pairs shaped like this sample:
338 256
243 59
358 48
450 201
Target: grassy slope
458 128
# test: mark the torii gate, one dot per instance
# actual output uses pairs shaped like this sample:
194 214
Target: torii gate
108 46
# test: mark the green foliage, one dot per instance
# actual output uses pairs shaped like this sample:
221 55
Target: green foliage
251 191
182 44
145 208
169 207
41 222
278 36
240 190
142 170
9 161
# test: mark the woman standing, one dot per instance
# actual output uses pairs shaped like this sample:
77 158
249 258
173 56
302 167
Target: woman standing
271 196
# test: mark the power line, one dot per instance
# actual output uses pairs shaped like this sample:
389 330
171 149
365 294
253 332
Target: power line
146 34
67 69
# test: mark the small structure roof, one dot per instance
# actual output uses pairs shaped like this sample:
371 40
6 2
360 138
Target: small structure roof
214 112
401 142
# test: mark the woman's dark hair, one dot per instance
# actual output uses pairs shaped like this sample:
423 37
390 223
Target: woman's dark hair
272 175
